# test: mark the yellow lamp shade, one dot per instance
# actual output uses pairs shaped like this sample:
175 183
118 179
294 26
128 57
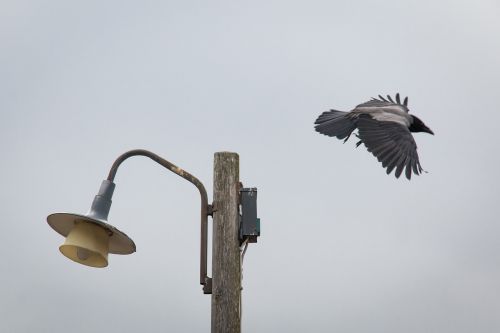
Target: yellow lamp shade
89 238
87 243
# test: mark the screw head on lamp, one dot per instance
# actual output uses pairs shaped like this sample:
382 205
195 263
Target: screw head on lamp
89 238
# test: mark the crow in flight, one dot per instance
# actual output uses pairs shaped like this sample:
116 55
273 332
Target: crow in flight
384 126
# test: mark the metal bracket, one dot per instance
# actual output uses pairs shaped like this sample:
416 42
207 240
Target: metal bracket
210 210
207 287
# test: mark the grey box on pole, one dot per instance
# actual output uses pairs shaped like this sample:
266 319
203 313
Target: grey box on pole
249 223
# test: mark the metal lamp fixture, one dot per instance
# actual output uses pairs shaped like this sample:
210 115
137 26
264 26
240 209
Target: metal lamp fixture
89 237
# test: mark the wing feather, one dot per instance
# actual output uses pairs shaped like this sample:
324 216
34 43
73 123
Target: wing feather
408 168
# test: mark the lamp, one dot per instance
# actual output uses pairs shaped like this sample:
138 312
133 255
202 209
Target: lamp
89 237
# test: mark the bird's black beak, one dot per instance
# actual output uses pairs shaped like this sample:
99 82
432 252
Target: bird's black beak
427 130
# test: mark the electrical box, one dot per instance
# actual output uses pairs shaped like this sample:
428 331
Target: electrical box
249 223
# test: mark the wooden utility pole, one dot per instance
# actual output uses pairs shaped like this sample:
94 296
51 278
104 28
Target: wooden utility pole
226 266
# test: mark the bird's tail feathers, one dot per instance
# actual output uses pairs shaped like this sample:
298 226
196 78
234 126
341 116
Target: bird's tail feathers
335 123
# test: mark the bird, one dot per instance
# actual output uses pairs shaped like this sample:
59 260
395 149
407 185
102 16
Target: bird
385 127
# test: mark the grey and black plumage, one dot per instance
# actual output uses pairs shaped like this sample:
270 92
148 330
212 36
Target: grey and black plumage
384 127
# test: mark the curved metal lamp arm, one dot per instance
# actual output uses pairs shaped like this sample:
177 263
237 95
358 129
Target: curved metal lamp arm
206 209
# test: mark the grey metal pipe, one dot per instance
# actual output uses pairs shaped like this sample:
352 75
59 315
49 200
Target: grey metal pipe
206 209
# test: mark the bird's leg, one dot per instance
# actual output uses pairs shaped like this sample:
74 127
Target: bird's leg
347 137
359 142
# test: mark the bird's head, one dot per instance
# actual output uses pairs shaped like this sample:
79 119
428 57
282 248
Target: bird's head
419 126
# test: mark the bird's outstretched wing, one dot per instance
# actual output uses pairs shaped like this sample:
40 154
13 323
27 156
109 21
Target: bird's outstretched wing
391 143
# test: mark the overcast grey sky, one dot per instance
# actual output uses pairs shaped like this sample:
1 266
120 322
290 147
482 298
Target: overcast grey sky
344 247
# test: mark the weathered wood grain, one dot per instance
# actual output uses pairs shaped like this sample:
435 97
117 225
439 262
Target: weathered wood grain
226 269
